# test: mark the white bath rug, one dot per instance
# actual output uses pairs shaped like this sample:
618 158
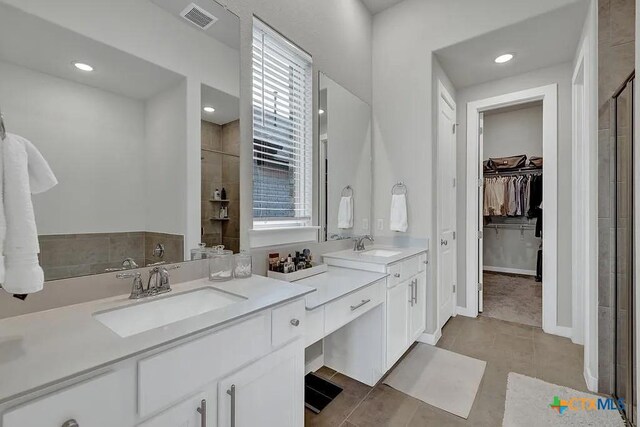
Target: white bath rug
532 402
439 377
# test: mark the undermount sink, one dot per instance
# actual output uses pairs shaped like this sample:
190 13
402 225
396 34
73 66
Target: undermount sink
381 253
141 317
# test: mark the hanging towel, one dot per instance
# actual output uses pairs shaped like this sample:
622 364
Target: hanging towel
23 167
398 217
345 212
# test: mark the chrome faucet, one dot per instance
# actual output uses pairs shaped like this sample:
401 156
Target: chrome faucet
127 264
359 242
158 282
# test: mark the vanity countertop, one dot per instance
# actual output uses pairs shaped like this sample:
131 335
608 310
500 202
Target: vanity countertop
350 255
335 283
41 349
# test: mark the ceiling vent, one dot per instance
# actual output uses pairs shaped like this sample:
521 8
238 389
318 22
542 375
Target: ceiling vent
198 16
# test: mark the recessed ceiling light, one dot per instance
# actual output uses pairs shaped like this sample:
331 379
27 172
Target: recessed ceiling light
321 111
82 66
503 58
209 109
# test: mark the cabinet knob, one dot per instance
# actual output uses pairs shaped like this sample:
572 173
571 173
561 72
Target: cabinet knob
295 322
396 275
71 423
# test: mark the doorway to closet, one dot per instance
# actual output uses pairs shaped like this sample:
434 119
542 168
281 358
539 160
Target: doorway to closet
510 145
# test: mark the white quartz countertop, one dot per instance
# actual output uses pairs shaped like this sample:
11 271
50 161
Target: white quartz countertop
41 349
351 255
335 283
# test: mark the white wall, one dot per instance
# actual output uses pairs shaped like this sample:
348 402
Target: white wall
508 133
165 161
86 135
561 75
404 38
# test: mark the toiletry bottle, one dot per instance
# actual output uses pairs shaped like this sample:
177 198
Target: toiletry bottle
216 195
221 213
223 194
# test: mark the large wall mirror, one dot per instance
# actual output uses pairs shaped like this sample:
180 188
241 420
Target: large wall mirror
345 162
122 134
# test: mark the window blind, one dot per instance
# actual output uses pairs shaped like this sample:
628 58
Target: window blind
282 131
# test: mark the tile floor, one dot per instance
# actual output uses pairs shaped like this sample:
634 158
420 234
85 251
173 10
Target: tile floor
507 347
512 298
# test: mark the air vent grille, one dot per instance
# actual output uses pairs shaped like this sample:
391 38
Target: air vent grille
198 16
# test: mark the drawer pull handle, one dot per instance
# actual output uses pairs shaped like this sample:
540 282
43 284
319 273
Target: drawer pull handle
425 262
203 413
355 307
295 322
232 392
71 423
396 275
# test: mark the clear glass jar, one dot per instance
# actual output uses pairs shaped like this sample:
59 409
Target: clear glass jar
243 265
200 252
220 264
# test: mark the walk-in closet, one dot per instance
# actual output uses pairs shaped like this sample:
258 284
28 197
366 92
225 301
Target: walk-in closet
511 211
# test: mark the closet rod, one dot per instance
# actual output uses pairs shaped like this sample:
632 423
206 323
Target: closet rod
537 171
512 226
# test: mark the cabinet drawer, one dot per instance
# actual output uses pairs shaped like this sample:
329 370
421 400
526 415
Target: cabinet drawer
422 259
287 322
410 267
169 376
314 327
347 308
185 414
395 275
105 401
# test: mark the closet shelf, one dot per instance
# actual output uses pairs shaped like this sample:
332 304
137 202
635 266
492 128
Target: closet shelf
220 200
218 219
210 150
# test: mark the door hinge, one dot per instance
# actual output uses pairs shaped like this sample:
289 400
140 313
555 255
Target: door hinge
480 182
454 182
454 235
481 130
453 130
479 286
480 234
454 288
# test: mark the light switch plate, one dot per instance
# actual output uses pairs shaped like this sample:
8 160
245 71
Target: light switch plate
365 224
380 224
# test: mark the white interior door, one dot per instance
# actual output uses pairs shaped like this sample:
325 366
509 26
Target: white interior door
446 206
480 211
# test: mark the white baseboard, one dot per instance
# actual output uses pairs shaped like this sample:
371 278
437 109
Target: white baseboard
465 311
509 270
592 382
431 339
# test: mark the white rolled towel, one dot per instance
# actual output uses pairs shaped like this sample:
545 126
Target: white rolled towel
23 167
345 213
398 217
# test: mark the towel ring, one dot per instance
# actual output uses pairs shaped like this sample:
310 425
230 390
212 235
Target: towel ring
400 187
347 191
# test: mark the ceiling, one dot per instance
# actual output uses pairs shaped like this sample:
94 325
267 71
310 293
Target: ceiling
36 44
376 6
227 106
226 29
542 41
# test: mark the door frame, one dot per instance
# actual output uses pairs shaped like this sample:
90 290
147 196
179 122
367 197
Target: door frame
549 96
443 94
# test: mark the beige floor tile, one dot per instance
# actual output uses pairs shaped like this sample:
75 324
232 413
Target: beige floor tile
384 406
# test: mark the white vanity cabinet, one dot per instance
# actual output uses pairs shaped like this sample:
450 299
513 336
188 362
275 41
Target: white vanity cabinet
269 392
259 359
406 305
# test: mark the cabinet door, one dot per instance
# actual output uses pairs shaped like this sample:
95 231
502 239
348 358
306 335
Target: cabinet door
397 322
418 315
269 392
186 414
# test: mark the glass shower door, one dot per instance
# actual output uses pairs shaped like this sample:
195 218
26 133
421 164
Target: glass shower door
623 138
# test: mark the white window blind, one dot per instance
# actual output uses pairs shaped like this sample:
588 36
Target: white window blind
282 131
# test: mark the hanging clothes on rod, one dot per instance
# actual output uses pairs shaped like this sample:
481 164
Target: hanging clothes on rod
512 195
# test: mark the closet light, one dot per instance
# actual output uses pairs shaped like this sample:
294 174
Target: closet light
321 111
503 58
82 66
209 109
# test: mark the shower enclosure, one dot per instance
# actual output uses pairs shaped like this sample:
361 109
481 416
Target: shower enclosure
625 298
